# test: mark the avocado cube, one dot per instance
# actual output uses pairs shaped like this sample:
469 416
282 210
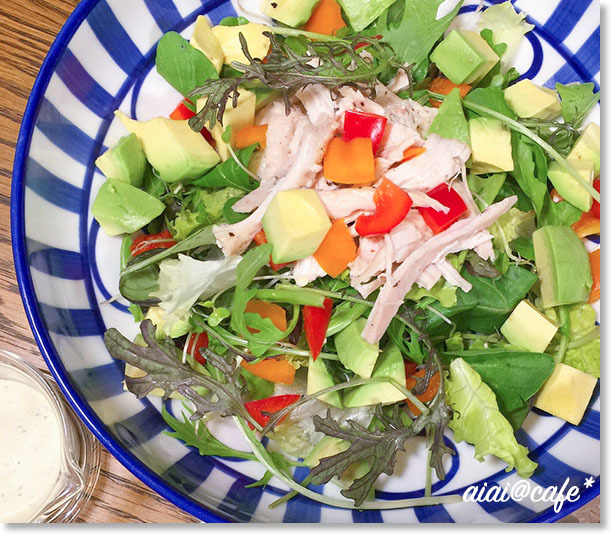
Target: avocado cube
464 57
319 378
354 351
174 150
563 266
491 146
295 223
121 208
568 187
228 37
203 39
587 147
293 13
566 393
124 161
390 364
528 328
527 100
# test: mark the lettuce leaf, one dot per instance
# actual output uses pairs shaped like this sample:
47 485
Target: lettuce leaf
507 26
361 14
514 224
477 419
183 281
577 101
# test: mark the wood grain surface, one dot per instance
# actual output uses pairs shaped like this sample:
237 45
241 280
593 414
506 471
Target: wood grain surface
27 29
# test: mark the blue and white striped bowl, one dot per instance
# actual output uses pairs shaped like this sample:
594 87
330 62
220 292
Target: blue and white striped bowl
102 60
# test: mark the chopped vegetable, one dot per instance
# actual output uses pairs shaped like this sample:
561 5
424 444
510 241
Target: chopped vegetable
274 369
182 112
315 324
392 206
587 225
145 242
250 135
594 260
413 152
326 18
430 391
439 221
364 125
261 238
349 162
196 342
337 250
595 210
444 86
274 312
260 410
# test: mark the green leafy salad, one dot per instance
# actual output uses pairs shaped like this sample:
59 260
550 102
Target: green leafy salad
357 229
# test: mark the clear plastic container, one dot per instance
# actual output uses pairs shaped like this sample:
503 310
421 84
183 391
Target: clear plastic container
79 456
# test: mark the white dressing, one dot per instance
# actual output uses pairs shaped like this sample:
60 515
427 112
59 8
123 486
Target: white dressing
31 448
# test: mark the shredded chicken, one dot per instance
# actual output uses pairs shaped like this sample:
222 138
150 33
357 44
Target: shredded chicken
432 251
442 160
307 270
347 202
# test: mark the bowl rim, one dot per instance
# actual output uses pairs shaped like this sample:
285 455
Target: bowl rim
52 359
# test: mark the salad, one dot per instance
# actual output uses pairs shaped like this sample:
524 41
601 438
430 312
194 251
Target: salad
358 228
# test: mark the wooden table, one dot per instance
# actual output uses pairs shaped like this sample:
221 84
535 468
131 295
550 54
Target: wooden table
28 29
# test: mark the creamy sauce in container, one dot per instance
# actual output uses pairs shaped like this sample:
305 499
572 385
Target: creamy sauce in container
32 456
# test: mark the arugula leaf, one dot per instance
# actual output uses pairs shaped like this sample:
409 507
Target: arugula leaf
196 434
499 49
137 287
530 170
343 315
486 189
514 376
510 187
256 387
416 32
492 98
524 247
229 214
451 122
181 65
361 14
477 266
560 213
230 174
577 101
477 419
233 21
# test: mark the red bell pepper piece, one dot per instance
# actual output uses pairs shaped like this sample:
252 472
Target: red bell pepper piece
146 242
269 405
315 324
261 238
195 343
595 210
439 221
392 206
182 113
364 125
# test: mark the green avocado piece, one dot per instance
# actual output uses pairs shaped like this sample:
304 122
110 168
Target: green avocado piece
390 364
179 329
295 223
568 187
293 13
563 266
527 100
173 149
587 147
121 208
319 378
361 14
125 161
464 57
451 122
491 146
528 328
354 351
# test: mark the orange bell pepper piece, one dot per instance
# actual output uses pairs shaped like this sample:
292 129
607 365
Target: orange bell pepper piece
444 86
250 135
587 225
349 162
326 18
594 261
412 152
430 392
337 250
276 370
274 312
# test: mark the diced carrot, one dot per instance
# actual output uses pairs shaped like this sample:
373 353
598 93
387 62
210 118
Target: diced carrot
430 392
272 311
326 18
337 250
349 162
413 152
444 86
250 135
276 370
587 225
594 260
